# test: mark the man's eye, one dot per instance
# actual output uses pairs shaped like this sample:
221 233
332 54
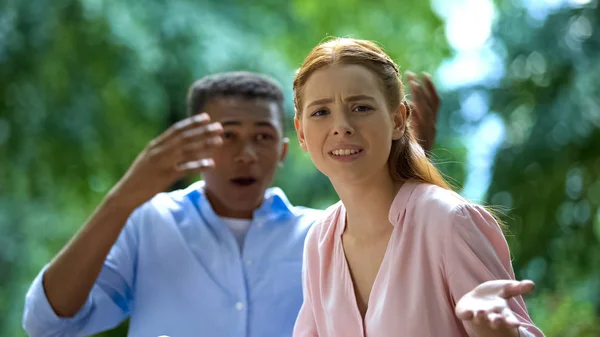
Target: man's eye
228 135
264 136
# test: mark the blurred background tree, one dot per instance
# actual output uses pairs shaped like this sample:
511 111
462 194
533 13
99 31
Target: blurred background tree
84 85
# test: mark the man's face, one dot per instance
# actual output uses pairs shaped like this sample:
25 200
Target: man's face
253 146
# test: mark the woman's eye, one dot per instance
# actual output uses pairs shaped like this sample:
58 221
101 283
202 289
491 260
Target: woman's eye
321 112
362 108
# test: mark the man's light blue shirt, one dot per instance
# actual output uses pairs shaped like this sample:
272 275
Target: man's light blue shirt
177 270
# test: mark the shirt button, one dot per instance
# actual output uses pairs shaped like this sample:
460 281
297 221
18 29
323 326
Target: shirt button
248 262
259 224
239 306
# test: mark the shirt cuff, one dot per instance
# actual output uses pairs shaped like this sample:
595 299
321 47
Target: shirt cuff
38 313
524 333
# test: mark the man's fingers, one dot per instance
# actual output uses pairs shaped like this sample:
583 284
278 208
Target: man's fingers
426 83
188 122
202 145
205 135
430 88
423 98
211 129
196 165
425 93
195 151
199 148
411 110
181 126
179 150
426 102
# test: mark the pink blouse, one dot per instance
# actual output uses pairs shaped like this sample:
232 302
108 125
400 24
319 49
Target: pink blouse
441 247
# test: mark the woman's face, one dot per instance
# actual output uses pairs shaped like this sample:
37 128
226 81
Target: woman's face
345 124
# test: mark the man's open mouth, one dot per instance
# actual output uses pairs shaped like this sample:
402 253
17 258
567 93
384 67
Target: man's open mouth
244 181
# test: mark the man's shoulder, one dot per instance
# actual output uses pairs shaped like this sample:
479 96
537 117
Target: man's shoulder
167 204
308 213
278 201
176 198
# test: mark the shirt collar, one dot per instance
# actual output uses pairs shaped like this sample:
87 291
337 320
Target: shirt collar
275 203
399 203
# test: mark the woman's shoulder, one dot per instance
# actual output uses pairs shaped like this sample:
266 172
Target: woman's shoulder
425 200
438 199
435 206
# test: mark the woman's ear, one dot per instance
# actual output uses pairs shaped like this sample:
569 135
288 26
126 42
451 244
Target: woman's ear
300 134
399 122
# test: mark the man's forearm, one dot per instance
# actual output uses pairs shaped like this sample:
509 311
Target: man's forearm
71 275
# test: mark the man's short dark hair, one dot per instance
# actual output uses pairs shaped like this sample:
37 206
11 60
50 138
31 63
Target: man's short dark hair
238 84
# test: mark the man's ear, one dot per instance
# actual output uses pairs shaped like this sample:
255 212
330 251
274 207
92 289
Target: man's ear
399 122
300 133
284 150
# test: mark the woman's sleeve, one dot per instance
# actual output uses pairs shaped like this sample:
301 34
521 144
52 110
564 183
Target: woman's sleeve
305 323
476 251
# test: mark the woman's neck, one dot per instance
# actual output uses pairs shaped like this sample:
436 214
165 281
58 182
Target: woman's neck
368 205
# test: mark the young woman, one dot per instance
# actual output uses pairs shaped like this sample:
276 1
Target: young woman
401 254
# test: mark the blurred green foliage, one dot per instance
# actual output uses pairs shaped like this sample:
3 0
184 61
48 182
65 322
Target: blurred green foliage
84 85
548 170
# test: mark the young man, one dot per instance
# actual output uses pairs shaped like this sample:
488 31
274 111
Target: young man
222 257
